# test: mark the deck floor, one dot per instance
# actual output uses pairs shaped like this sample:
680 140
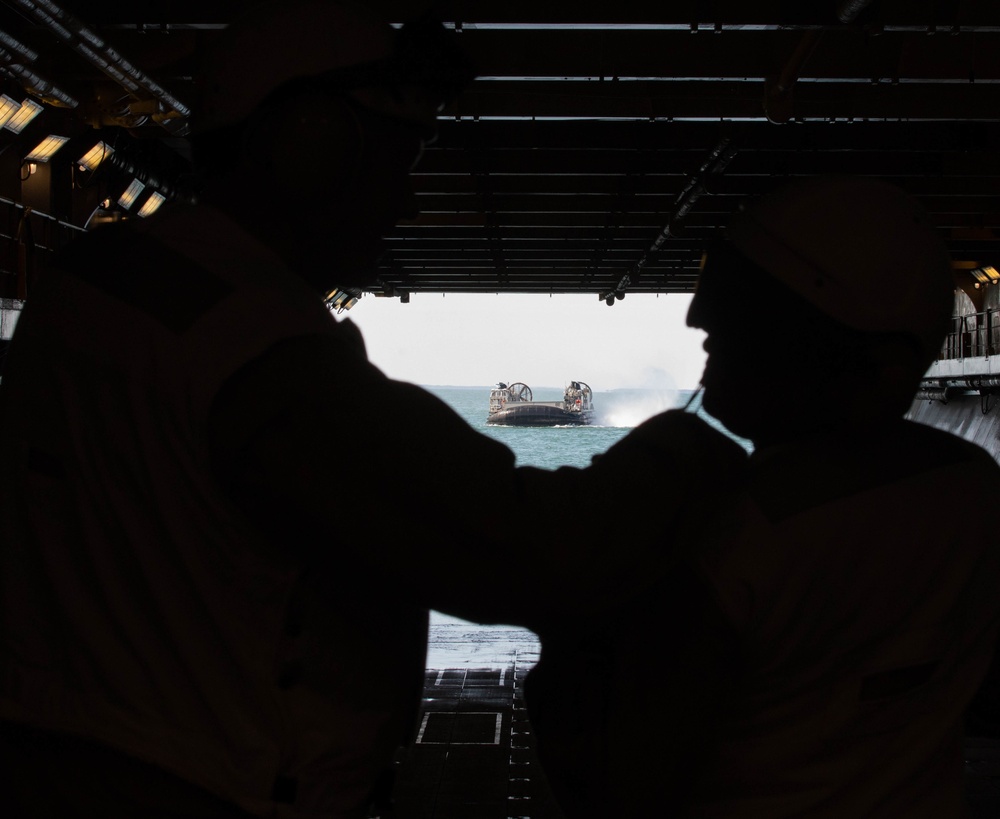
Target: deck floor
475 758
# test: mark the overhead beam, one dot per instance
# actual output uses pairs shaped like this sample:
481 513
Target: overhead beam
845 55
726 101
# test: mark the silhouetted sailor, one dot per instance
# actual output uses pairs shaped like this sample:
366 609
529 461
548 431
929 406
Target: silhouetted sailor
814 650
218 543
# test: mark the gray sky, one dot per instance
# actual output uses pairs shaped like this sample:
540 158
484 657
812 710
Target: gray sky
479 339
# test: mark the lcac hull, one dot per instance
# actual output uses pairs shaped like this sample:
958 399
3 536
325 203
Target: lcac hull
539 415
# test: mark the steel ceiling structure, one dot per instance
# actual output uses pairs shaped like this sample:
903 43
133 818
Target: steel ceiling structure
603 145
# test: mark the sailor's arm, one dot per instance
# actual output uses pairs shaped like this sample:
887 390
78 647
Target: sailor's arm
633 509
375 482
381 482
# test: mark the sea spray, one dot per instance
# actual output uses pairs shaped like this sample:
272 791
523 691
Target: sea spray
629 408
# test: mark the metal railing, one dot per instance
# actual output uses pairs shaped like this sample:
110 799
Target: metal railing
974 335
10 310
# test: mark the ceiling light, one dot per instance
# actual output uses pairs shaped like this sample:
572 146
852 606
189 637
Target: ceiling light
45 150
127 199
980 276
28 110
341 300
991 271
8 107
151 205
95 156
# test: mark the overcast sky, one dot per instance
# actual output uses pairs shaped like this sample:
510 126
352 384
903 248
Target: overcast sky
479 339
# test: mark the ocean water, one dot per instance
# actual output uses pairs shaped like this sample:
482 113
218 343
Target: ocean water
456 643
616 413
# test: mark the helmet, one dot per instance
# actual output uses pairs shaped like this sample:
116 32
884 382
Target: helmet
859 249
333 41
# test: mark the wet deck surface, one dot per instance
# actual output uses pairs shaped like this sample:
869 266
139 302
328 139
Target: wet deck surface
475 758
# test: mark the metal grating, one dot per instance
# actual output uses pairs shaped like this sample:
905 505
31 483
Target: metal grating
460 728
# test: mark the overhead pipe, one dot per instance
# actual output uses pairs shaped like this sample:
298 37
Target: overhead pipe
848 10
35 83
931 394
719 157
148 176
13 44
778 91
981 385
14 54
98 52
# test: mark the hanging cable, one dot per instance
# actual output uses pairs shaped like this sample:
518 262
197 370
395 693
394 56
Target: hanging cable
697 185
